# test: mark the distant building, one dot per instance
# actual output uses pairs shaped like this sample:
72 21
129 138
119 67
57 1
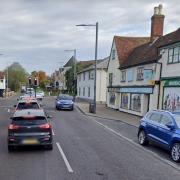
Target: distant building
2 83
85 82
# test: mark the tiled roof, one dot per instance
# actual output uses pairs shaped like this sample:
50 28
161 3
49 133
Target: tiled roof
2 75
101 64
148 52
125 45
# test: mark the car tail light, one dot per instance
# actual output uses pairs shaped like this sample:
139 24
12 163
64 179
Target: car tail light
45 126
13 127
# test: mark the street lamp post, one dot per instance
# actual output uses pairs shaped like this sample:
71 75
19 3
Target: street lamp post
74 69
95 63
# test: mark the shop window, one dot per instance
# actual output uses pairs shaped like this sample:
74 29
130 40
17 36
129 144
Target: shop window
112 98
113 54
171 99
110 79
174 55
140 73
136 102
123 76
124 100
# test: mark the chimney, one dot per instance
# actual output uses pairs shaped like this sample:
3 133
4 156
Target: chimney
157 23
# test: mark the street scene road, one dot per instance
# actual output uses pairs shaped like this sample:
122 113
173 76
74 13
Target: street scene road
84 148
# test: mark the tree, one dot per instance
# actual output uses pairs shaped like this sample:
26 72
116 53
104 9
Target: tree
17 76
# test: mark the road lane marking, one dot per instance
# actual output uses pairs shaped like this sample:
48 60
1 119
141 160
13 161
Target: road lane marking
53 132
64 158
137 145
8 110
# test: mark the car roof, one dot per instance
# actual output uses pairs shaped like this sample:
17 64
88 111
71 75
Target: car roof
29 113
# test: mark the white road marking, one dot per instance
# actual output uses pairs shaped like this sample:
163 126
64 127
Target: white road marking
8 110
137 145
64 158
53 132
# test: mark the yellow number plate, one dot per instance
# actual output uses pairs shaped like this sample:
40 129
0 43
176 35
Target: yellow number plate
30 141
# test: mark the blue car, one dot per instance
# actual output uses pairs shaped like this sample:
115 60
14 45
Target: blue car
64 102
162 128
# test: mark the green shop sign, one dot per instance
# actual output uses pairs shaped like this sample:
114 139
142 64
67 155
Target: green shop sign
174 82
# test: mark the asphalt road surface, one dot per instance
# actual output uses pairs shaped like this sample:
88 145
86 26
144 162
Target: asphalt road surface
85 148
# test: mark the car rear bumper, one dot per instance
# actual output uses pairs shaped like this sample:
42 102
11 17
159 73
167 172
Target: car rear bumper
29 141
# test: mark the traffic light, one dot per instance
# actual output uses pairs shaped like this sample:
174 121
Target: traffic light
35 81
30 81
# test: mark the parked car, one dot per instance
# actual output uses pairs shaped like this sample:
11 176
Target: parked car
30 128
39 95
162 128
64 102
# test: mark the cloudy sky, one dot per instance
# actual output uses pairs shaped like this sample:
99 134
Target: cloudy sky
35 33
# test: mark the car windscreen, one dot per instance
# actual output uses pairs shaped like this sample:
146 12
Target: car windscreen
65 98
37 120
177 119
30 105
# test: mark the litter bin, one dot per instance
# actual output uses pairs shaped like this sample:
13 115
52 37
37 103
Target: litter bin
91 107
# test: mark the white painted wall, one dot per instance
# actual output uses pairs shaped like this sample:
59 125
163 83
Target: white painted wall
2 83
100 85
168 70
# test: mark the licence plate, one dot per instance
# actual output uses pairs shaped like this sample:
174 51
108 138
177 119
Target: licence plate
30 141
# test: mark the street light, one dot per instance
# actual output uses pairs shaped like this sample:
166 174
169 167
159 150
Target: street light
74 60
95 64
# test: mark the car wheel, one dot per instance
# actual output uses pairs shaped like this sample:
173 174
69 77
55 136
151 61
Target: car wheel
72 108
10 148
142 138
175 152
49 147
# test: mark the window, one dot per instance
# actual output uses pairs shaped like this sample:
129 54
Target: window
123 76
112 98
155 117
89 91
140 73
165 120
174 55
79 91
110 79
113 54
91 75
83 91
136 102
79 77
84 76
124 100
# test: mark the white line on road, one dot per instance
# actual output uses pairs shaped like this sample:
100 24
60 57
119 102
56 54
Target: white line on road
53 132
64 158
137 145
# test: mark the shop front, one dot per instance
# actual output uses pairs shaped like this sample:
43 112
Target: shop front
135 100
171 94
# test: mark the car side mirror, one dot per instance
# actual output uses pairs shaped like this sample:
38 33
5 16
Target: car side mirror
170 126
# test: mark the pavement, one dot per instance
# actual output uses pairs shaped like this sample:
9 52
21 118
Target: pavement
108 113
